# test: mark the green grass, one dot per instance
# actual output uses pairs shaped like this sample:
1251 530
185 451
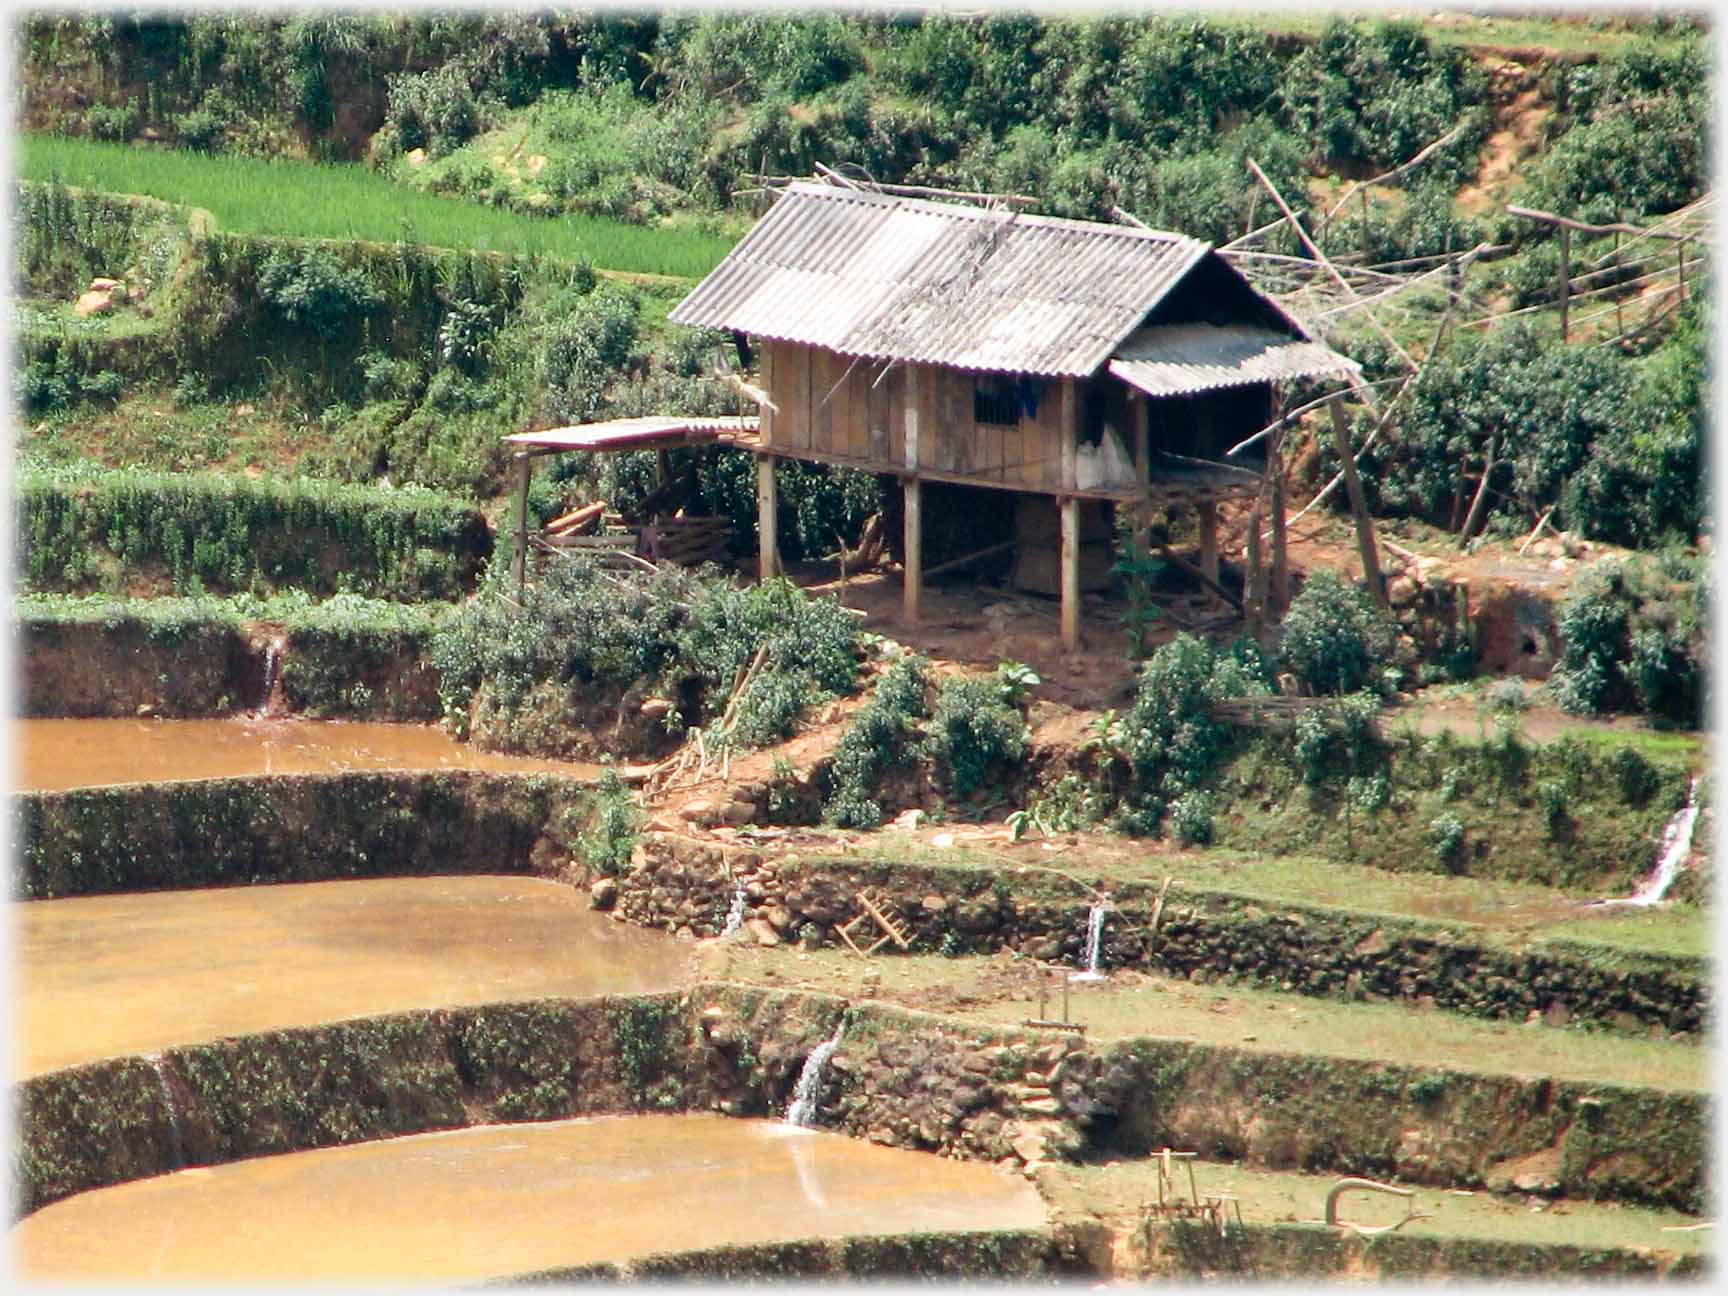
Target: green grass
303 200
1592 34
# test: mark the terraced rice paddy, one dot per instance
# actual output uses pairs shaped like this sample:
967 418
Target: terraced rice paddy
301 200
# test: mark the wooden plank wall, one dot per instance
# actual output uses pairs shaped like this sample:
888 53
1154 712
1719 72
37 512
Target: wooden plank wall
833 405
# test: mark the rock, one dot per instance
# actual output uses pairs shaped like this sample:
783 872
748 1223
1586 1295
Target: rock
1557 1014
942 839
656 709
738 812
935 904
909 820
604 893
701 812
779 917
92 303
416 157
762 933
1402 592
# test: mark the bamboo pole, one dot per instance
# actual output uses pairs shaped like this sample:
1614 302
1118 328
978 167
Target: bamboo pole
1565 281
1358 506
519 560
1479 505
767 519
1327 265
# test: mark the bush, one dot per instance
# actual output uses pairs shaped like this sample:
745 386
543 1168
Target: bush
587 346
881 736
1446 837
1636 778
977 725
1191 817
1335 638
435 110
1632 641
310 288
617 822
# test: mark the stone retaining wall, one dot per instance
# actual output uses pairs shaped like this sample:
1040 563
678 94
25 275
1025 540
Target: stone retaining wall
1016 1096
290 828
684 885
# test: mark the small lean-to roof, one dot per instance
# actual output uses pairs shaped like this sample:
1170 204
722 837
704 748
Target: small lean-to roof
869 274
650 432
1182 359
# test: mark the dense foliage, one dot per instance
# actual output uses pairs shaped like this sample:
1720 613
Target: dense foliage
80 527
1335 638
1615 443
883 734
1633 635
582 635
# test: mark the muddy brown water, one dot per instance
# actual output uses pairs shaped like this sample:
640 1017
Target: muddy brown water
491 1201
104 976
55 755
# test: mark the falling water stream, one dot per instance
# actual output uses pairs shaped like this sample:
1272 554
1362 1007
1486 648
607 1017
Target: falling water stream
802 1110
735 915
272 675
1676 849
1094 942
176 1141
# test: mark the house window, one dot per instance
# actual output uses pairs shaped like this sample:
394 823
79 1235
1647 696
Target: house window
995 400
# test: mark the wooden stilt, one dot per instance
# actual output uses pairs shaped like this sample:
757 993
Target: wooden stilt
767 518
1208 511
1280 591
1070 511
524 473
1143 463
1071 573
913 591
1358 506
1254 595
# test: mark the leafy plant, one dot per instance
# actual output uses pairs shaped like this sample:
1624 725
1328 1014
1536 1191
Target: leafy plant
976 726
616 826
881 736
1335 638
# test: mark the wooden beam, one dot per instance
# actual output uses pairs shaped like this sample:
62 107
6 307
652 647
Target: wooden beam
1583 227
1070 573
519 560
1358 506
1070 433
767 519
989 551
1479 505
1208 511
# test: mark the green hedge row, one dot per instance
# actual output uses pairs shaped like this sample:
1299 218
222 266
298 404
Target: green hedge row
83 527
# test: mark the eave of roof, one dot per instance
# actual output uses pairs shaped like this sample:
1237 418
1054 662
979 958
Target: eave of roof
1182 359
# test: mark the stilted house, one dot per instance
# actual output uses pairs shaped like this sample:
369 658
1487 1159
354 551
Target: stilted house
1081 366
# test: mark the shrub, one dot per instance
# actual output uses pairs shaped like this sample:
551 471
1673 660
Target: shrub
976 725
1632 641
584 349
1635 777
881 736
1191 817
435 110
309 287
1446 836
617 822
1335 638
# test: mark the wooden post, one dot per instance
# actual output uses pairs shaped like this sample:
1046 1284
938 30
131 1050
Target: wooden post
1070 573
1280 599
1565 284
1364 226
1143 463
1680 268
1479 505
1619 319
912 592
1358 505
1070 508
767 519
524 471
1254 595
1208 511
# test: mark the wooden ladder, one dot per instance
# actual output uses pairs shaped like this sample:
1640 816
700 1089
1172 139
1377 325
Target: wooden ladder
875 910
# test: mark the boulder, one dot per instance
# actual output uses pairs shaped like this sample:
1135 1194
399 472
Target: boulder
604 893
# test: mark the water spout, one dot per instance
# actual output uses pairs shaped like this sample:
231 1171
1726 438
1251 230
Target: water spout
273 653
1676 850
802 1110
735 915
1094 942
176 1144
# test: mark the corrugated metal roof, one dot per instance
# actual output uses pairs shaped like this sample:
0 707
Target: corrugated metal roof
873 275
1180 359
